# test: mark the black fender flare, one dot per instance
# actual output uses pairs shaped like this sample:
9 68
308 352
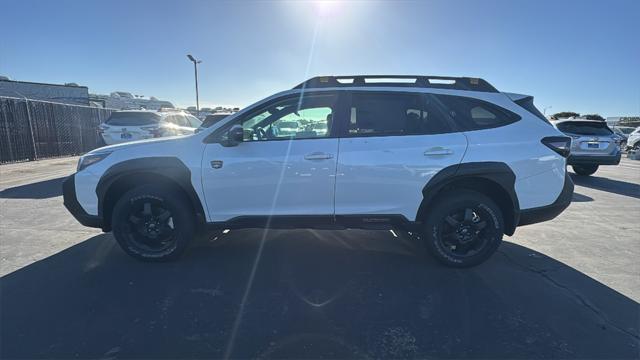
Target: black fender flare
496 172
165 166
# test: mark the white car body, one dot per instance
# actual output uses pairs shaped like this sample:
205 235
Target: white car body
344 175
633 141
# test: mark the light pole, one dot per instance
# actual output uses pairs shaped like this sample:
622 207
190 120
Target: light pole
544 111
195 68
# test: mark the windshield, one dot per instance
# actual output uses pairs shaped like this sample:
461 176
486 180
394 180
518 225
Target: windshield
584 128
139 118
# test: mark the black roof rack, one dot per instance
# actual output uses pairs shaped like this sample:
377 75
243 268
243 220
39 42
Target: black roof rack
423 81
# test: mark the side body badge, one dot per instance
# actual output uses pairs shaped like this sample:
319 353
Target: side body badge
216 164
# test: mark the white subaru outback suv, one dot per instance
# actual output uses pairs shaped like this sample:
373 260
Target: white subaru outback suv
449 158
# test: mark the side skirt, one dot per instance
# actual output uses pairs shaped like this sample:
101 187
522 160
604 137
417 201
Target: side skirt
327 222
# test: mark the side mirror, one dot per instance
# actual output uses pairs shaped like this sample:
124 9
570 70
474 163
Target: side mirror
234 136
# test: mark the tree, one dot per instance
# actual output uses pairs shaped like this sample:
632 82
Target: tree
594 117
564 115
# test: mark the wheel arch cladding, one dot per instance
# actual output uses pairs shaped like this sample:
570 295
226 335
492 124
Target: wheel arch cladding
125 175
494 179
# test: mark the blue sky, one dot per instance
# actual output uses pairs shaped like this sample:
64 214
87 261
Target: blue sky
581 56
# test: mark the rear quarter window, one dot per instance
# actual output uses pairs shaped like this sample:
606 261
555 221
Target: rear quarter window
472 114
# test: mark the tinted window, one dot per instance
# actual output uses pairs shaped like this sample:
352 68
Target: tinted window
211 120
138 118
177 120
584 128
379 114
473 114
306 117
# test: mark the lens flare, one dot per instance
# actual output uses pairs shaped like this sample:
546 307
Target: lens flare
326 7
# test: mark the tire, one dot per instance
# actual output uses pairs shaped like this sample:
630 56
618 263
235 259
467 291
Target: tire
463 228
585 170
153 223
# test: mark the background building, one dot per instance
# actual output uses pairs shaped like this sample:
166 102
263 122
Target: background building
70 93
122 100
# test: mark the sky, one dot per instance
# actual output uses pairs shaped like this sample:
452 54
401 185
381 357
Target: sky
581 56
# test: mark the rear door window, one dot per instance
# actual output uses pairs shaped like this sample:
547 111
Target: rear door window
473 114
394 113
177 120
193 121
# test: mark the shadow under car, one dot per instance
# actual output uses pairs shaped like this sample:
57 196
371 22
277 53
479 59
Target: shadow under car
315 293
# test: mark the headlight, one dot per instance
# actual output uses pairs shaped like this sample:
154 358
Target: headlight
90 160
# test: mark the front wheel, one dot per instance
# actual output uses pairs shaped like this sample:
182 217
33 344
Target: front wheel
585 170
463 228
153 223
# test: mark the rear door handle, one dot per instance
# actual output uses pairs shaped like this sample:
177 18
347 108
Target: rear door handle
318 156
437 151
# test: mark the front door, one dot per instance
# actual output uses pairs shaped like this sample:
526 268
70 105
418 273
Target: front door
285 165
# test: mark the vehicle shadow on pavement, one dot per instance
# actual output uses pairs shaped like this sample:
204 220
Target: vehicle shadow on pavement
610 185
349 294
576 197
38 190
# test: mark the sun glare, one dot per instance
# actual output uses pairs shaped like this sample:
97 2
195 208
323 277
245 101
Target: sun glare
326 7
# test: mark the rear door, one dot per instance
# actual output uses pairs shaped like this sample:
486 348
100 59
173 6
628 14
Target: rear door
392 144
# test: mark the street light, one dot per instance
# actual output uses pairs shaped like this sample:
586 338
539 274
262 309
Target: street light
544 111
195 68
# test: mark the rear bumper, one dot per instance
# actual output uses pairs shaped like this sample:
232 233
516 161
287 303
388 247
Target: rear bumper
594 159
544 213
72 204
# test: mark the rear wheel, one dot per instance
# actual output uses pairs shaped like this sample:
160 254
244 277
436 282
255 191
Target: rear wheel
153 223
585 170
463 228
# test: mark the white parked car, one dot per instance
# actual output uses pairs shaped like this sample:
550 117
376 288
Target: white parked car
131 125
633 141
452 159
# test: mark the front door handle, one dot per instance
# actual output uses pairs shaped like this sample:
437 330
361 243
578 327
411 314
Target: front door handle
318 156
438 151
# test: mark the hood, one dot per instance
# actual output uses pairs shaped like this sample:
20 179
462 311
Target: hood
135 144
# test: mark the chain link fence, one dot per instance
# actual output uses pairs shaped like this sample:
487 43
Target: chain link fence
31 130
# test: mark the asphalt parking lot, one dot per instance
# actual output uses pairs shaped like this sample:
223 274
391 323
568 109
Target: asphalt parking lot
568 288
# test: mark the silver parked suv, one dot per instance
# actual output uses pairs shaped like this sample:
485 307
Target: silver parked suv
593 144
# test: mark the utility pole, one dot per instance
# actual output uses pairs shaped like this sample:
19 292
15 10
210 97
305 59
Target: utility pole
195 68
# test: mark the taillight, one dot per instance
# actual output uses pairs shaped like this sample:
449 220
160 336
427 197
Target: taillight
156 131
559 144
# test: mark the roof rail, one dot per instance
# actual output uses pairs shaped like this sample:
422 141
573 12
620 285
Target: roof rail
422 81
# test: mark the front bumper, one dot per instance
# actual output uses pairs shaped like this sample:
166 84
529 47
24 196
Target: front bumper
72 204
544 213
594 159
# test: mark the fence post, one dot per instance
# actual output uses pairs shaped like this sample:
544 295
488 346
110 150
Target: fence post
33 139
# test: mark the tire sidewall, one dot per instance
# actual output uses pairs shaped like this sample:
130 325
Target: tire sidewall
443 207
585 170
184 225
